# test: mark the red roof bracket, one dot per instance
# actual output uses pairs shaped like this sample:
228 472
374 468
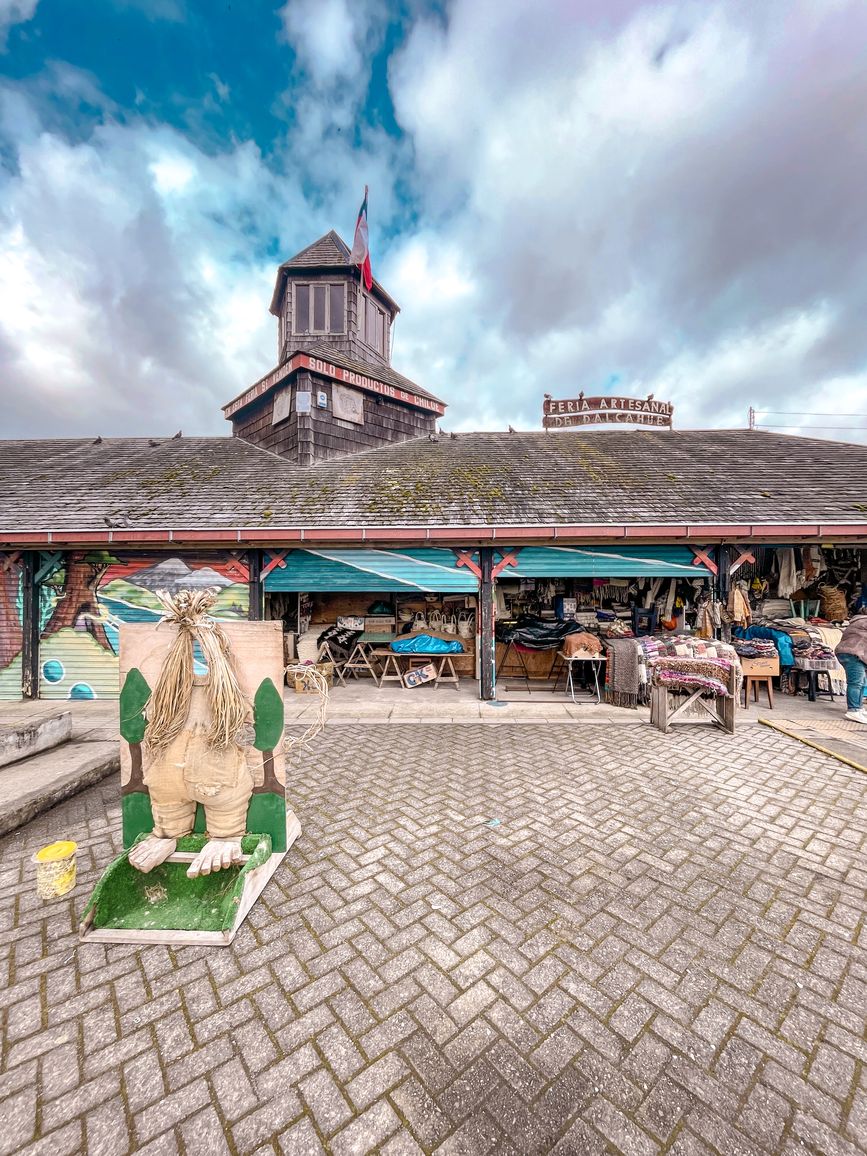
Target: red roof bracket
744 556
277 559
237 566
702 558
507 558
465 558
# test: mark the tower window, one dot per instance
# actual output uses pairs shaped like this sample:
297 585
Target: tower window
319 308
374 326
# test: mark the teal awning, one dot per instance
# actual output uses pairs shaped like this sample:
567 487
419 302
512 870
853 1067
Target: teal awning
375 571
605 562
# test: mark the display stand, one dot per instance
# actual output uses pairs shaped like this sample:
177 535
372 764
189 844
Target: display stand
326 654
668 707
671 704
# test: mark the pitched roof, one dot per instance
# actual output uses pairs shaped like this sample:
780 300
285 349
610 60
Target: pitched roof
130 483
329 252
575 477
563 478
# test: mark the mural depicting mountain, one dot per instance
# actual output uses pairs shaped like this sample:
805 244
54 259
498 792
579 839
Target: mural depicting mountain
174 574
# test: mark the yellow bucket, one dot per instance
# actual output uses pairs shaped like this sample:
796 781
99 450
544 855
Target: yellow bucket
55 869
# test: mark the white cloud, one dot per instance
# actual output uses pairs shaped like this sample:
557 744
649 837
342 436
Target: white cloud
668 193
14 12
332 37
130 297
664 196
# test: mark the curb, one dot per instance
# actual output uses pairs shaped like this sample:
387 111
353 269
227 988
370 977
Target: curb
783 730
92 770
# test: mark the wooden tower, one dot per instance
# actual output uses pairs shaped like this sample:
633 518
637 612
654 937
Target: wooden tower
333 391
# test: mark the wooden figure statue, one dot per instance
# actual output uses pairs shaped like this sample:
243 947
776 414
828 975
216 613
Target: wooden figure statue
203 777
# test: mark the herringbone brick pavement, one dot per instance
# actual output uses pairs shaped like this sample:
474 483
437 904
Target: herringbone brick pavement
489 939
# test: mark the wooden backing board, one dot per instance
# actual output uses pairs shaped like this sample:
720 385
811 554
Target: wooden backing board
257 648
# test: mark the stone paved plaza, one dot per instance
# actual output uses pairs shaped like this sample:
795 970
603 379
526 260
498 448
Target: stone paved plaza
488 939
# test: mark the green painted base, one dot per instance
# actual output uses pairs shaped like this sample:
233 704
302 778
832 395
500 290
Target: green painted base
166 899
266 813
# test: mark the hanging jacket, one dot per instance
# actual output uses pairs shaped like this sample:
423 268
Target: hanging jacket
854 640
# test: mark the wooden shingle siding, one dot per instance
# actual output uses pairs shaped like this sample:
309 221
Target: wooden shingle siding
386 421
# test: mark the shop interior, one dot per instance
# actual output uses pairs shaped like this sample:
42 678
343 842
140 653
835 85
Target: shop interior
588 623
596 637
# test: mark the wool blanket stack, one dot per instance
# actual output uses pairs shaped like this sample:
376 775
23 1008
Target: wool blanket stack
711 675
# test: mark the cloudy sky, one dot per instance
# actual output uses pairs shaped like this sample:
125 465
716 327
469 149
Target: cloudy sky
597 195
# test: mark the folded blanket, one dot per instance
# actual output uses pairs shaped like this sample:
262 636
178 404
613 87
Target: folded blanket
622 675
707 674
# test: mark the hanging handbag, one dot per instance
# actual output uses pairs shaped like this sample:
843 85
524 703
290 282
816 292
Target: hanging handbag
419 622
450 625
435 620
466 623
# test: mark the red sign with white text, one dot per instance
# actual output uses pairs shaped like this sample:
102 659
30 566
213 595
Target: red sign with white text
336 373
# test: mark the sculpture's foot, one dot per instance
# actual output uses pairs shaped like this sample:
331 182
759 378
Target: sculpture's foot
151 852
216 855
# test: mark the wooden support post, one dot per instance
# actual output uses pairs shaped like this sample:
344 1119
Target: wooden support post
256 611
30 626
725 582
487 622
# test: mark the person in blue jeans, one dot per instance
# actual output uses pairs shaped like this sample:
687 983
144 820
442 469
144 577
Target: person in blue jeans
852 654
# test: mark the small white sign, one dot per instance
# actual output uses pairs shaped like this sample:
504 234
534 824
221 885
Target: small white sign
302 402
322 399
282 406
348 404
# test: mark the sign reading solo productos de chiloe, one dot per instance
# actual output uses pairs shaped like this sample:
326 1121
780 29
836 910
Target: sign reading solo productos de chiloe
581 410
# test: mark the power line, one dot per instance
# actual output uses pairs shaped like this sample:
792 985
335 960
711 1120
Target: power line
807 428
805 413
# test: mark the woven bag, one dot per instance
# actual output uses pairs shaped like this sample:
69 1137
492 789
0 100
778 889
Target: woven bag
833 603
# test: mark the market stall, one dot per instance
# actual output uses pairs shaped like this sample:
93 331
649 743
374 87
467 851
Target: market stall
561 612
348 608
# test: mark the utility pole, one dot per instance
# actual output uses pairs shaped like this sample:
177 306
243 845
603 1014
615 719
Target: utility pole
752 418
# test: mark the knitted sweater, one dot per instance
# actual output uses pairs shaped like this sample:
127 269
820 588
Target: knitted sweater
854 640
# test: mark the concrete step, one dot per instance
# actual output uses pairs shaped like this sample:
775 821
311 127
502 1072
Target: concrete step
20 739
29 787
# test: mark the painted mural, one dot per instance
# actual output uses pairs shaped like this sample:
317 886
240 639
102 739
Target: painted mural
10 626
86 596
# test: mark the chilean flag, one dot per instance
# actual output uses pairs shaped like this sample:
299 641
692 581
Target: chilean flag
360 254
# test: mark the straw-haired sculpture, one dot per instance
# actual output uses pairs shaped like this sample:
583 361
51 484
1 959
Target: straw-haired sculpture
198 743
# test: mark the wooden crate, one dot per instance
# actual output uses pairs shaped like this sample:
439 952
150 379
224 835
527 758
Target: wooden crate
760 667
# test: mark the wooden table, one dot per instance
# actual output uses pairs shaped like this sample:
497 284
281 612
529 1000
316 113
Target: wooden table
365 648
392 672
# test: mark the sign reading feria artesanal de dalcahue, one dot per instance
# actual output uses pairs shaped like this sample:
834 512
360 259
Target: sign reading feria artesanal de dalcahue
581 410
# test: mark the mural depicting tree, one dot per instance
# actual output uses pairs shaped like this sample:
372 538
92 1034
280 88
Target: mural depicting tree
80 598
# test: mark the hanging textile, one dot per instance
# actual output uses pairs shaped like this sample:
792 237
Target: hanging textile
738 605
788 582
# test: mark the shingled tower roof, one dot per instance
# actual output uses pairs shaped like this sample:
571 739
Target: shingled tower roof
329 252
